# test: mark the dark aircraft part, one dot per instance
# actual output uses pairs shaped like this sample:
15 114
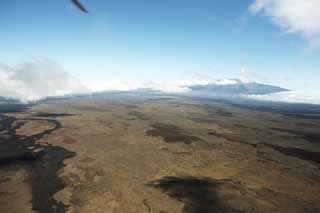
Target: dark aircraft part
80 6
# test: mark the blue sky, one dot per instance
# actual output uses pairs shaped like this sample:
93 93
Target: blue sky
158 40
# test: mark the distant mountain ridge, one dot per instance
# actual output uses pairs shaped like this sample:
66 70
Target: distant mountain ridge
238 88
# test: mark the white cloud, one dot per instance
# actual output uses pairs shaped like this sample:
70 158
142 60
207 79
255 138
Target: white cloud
247 76
43 78
294 16
290 97
163 86
244 74
119 85
37 79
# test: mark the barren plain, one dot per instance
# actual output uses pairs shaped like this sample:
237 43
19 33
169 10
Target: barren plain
147 153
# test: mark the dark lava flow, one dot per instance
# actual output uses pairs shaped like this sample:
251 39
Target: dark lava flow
52 115
138 115
232 138
198 194
43 162
171 133
288 151
295 152
217 112
311 137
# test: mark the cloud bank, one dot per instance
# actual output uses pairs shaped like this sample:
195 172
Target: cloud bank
162 86
37 79
44 78
289 97
294 16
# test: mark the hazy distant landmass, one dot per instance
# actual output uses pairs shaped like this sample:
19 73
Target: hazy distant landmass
239 88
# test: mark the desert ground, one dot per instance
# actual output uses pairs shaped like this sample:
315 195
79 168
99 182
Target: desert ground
139 153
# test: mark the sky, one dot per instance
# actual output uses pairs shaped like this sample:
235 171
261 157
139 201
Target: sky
267 41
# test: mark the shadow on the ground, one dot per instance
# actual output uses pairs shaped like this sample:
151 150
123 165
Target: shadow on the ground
199 195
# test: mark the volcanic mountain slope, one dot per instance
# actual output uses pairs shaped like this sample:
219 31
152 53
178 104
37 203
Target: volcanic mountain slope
238 88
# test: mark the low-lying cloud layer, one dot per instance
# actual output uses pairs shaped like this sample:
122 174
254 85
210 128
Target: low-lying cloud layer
289 97
162 86
294 16
44 78
37 79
